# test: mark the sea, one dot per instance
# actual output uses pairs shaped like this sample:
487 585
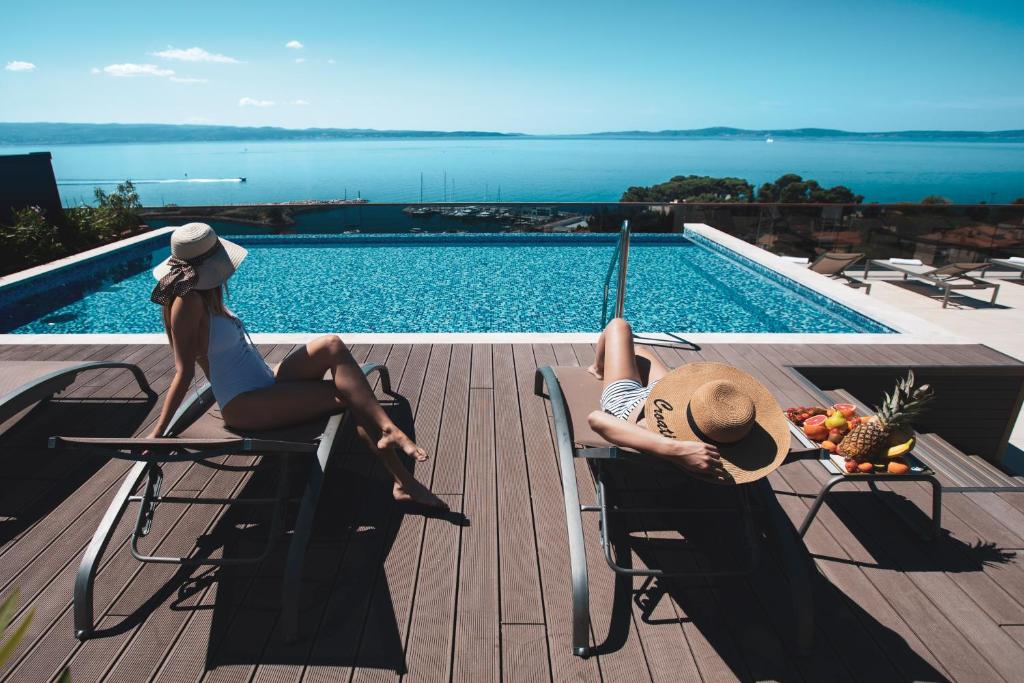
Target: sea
523 169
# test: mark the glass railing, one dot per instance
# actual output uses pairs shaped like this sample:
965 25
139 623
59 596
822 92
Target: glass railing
935 234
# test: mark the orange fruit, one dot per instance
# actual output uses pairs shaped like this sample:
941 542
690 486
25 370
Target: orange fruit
829 446
898 467
865 467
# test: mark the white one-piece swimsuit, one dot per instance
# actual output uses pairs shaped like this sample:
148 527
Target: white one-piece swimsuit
235 364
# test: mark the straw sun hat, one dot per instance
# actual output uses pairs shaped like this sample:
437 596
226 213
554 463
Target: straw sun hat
718 404
213 259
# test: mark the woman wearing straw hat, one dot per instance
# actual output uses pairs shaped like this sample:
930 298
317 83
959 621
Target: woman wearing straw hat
251 395
710 419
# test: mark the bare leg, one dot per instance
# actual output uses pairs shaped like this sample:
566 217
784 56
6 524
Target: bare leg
616 357
299 394
330 353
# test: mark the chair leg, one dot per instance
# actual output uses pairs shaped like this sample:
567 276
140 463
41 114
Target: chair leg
290 591
86 576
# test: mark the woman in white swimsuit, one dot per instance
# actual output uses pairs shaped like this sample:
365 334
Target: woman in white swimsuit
629 373
251 396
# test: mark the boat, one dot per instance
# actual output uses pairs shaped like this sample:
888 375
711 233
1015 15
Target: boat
769 139
242 179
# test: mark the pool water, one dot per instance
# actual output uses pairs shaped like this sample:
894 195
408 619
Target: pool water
451 283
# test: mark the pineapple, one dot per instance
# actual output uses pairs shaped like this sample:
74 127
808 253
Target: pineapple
865 442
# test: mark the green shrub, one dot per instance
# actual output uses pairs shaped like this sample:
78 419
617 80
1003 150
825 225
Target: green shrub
116 212
30 240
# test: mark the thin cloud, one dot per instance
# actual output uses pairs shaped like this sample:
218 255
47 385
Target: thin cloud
294 45
129 69
331 61
253 102
300 103
300 60
187 79
18 65
194 54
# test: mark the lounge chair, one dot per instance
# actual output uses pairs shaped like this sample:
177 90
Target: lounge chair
197 433
1013 263
574 393
947 278
24 382
834 265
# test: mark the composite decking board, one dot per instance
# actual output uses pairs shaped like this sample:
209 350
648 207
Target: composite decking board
521 601
450 469
481 375
522 646
476 648
549 515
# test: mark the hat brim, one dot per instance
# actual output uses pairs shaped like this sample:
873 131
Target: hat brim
216 269
755 456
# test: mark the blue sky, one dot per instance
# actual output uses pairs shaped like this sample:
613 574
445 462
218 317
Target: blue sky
555 66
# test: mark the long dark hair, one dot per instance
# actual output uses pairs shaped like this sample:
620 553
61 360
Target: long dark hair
213 300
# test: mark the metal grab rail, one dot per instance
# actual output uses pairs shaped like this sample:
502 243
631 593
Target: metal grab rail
621 256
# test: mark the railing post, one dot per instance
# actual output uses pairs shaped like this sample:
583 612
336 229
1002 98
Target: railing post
620 292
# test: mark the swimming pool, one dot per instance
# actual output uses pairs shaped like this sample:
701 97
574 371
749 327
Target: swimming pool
442 283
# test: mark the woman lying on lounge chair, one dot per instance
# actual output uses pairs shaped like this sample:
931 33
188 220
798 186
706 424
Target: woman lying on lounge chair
250 394
629 374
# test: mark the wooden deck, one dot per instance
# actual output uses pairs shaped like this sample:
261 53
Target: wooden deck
388 596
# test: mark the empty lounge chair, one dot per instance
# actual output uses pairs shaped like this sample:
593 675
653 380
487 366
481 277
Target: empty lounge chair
947 278
1013 263
198 433
834 265
24 382
574 393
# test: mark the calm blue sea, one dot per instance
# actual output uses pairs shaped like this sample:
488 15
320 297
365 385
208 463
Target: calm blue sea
531 169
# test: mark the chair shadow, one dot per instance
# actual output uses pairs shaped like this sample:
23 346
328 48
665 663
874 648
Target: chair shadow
35 479
956 300
894 544
748 620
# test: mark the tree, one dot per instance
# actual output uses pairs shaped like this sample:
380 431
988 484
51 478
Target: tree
1019 200
793 189
935 200
693 188
116 212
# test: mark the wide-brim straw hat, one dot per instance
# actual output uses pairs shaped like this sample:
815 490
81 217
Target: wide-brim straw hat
725 407
213 258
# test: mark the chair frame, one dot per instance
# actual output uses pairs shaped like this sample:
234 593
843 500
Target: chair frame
841 275
946 283
149 453
793 551
46 386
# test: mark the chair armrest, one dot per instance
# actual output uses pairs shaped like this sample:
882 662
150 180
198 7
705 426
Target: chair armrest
165 449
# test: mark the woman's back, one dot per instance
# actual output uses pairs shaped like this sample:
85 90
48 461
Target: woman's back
235 365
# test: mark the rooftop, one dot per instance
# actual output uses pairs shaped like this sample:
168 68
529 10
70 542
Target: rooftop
388 596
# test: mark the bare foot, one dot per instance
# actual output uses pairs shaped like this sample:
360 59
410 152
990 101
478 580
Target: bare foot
595 372
396 438
419 494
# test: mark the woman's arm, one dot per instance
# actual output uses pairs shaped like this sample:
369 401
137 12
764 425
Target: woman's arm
186 314
696 457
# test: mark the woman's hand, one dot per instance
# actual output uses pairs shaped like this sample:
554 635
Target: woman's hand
697 457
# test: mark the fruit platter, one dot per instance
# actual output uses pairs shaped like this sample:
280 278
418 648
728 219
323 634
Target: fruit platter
867 444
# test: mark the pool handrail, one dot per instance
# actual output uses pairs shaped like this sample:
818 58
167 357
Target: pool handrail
620 256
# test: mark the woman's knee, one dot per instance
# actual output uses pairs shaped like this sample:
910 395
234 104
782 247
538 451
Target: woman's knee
333 345
620 325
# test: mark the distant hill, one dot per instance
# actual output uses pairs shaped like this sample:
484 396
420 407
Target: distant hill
96 133
823 133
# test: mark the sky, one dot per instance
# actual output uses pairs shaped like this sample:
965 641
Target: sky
543 67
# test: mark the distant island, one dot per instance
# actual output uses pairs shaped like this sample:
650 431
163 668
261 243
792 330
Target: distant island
110 133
